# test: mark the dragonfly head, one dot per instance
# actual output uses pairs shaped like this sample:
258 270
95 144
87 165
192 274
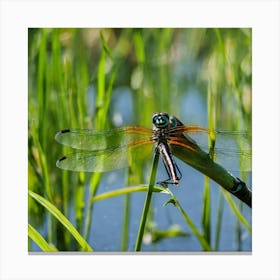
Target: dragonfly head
163 120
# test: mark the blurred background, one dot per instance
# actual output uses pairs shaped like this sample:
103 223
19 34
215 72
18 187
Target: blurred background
107 78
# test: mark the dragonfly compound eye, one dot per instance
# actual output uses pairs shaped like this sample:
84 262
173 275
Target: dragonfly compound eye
173 121
161 120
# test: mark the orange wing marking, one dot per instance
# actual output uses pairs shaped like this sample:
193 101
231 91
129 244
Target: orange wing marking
138 129
180 143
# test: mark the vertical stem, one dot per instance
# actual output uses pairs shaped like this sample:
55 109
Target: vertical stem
218 221
147 203
125 224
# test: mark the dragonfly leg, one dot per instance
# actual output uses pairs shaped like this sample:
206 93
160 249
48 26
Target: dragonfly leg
177 168
165 183
174 174
169 180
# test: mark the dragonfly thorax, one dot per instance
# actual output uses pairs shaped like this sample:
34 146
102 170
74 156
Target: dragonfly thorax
160 135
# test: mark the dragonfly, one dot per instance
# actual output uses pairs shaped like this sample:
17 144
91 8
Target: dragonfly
103 151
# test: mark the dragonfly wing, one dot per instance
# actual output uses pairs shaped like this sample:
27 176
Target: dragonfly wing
91 140
232 149
105 160
234 161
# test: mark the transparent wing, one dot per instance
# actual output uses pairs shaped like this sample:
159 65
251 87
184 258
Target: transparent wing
232 149
108 159
91 140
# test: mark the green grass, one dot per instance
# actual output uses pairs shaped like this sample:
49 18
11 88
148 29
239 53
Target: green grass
62 219
76 79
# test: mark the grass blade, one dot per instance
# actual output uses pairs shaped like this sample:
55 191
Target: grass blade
124 191
203 242
235 210
39 240
63 220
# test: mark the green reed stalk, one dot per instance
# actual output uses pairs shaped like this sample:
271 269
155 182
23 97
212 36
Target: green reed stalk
206 218
147 203
219 221
103 99
125 229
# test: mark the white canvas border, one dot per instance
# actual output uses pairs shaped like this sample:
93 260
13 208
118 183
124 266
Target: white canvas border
17 16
